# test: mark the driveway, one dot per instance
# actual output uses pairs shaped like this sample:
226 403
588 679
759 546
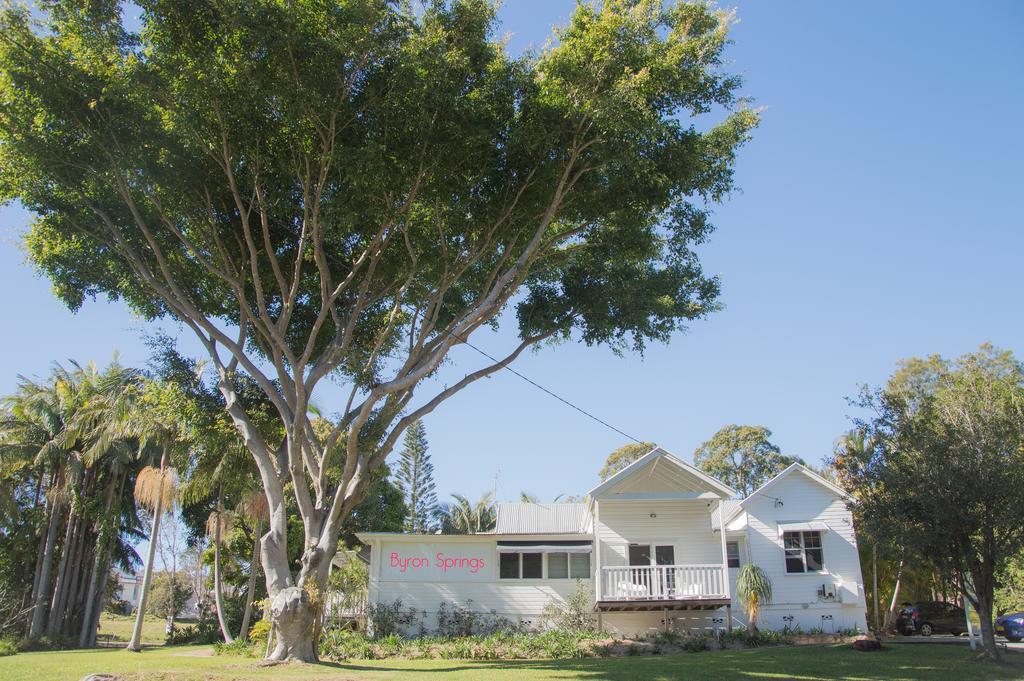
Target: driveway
954 640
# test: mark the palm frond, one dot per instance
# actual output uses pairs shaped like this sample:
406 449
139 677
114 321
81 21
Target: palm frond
153 487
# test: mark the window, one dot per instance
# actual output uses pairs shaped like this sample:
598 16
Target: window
639 554
509 566
579 565
521 565
803 552
533 565
558 566
732 551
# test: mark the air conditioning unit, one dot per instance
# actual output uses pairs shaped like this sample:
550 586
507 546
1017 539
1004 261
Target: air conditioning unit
828 592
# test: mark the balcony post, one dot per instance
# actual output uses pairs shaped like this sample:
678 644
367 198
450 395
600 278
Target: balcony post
725 549
598 568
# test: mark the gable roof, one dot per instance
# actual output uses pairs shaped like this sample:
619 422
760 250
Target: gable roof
656 454
530 518
795 468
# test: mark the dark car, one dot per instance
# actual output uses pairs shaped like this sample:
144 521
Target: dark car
1011 626
931 617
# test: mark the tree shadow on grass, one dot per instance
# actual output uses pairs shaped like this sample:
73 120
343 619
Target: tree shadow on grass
818 663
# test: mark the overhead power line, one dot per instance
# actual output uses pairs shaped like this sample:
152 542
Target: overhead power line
552 394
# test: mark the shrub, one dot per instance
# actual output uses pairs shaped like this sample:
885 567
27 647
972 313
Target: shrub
575 614
696 643
502 645
455 621
755 638
239 647
259 633
390 618
8 647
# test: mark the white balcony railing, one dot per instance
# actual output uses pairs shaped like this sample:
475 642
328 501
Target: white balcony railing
663 582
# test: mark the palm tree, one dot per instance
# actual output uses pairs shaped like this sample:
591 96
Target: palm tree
36 430
754 590
155 489
255 509
217 526
465 517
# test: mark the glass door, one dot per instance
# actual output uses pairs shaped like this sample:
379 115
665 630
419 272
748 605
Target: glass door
666 555
640 557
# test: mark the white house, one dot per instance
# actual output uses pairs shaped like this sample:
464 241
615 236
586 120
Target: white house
128 589
649 544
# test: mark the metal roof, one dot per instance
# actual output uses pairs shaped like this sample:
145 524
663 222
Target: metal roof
529 518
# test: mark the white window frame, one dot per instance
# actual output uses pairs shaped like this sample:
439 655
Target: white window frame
652 551
803 552
739 556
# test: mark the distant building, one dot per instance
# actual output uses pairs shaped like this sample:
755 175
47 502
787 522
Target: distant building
129 590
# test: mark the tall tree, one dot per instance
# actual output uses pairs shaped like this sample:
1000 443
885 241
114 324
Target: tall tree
415 477
949 444
252 508
623 456
155 489
465 517
346 191
742 457
57 430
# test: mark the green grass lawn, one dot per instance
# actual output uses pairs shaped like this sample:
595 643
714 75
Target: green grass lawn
118 628
810 663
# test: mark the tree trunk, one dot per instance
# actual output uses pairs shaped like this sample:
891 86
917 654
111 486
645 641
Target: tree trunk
60 590
102 549
890 615
294 618
41 553
251 587
875 603
77 581
98 605
217 596
135 645
39 601
984 588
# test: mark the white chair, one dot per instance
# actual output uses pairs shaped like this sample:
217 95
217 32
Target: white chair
630 589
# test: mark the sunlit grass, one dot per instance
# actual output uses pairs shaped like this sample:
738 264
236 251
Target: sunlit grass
818 663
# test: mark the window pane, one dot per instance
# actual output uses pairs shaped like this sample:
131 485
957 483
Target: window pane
732 550
791 540
814 560
579 565
812 540
533 565
665 555
509 565
794 561
558 565
639 554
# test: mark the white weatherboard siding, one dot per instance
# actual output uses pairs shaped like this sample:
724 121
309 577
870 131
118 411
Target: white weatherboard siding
520 600
805 501
657 500
682 523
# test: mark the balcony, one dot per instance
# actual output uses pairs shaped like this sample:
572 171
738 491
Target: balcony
656 587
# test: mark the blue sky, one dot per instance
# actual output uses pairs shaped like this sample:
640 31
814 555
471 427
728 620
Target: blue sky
877 218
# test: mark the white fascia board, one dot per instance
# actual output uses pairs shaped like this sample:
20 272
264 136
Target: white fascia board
658 452
662 495
797 468
400 537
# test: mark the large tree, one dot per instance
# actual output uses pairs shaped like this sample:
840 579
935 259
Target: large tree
742 457
946 471
415 477
623 456
348 190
